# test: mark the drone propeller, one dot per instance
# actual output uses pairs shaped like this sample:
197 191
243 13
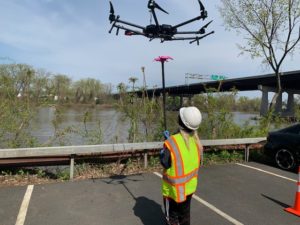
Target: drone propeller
202 29
153 5
112 11
112 16
202 10
161 9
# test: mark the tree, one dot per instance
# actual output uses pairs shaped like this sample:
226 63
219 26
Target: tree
61 85
88 89
271 29
40 85
16 79
122 90
15 113
133 80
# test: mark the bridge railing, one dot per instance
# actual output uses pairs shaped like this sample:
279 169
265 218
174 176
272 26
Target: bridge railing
89 150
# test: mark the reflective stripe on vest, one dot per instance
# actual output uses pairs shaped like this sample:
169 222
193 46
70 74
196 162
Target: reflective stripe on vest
181 193
180 180
175 150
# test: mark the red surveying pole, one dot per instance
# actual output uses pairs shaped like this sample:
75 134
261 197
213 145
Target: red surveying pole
164 93
162 60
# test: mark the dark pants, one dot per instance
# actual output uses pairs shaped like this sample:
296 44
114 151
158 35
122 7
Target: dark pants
177 213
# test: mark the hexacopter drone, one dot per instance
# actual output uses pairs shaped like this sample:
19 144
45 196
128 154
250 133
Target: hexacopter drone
164 32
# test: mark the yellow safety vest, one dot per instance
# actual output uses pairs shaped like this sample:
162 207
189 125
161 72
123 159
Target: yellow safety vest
180 180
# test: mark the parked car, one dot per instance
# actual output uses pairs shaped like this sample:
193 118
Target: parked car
283 146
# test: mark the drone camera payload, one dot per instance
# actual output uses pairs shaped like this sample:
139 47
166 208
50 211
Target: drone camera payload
164 32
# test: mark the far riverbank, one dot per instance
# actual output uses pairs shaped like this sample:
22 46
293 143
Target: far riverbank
79 119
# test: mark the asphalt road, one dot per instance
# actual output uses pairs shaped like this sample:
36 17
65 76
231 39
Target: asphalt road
227 194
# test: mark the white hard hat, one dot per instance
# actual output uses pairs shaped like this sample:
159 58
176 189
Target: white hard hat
191 117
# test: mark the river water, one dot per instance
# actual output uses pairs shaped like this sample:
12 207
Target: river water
113 126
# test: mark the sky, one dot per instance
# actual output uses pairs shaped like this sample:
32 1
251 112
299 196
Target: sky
71 37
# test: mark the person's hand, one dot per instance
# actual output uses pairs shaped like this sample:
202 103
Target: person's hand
166 134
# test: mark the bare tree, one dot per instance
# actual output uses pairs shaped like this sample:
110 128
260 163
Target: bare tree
271 29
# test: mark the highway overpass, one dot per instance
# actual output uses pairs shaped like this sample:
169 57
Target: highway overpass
264 83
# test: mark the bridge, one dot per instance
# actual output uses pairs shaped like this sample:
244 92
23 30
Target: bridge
264 83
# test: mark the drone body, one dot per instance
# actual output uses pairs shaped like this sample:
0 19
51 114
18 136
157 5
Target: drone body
164 32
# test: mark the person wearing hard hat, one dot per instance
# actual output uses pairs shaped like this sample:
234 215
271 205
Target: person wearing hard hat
180 158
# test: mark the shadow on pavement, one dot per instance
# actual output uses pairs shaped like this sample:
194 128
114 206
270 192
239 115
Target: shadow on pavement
148 211
276 201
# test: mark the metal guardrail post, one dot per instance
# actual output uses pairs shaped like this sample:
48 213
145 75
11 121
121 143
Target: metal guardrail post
145 160
247 148
72 159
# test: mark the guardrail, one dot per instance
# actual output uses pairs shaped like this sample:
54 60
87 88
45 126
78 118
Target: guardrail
73 151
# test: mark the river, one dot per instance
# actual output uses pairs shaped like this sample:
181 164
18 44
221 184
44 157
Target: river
113 127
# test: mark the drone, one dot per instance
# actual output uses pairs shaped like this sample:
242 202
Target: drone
164 32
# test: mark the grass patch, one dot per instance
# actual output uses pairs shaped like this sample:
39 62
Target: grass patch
120 167
24 176
221 157
258 156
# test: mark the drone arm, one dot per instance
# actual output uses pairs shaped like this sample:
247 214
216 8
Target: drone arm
193 39
181 38
134 32
202 30
187 32
152 5
196 39
155 17
189 21
117 20
130 24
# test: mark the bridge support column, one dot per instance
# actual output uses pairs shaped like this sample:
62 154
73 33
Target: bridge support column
264 105
291 102
290 110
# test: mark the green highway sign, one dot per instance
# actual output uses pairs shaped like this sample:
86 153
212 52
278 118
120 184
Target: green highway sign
218 77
